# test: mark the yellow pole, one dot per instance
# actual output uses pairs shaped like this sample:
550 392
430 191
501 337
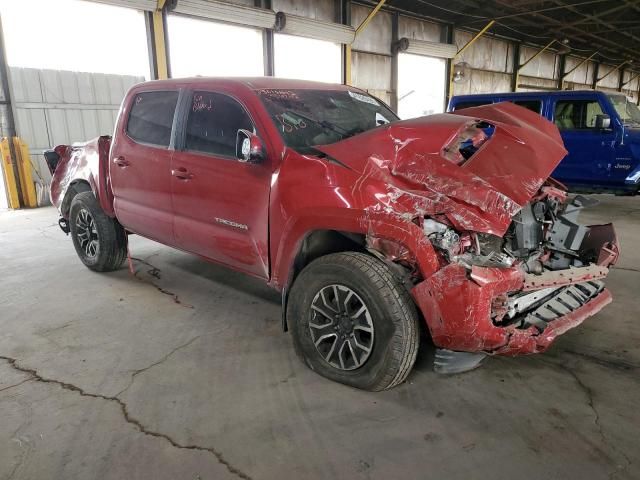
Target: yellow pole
159 41
520 67
617 67
464 47
10 179
24 171
577 67
361 27
372 14
631 79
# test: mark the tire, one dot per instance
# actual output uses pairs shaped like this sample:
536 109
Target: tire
99 240
319 330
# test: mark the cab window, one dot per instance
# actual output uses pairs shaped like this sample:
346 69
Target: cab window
533 105
151 117
213 123
576 114
471 103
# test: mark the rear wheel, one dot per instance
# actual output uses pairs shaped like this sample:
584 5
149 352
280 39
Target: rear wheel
352 321
99 240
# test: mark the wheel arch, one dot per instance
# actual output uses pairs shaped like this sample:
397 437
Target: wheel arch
320 242
75 187
315 244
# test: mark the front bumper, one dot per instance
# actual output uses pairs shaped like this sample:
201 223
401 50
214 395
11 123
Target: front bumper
458 306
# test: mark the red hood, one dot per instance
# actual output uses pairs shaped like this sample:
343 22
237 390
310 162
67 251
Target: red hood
482 194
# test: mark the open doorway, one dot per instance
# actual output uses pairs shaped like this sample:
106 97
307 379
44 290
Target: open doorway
421 85
307 59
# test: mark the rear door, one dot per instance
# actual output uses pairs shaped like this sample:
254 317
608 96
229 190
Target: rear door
140 165
591 150
221 205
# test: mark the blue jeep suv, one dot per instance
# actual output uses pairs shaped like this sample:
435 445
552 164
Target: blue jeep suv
600 130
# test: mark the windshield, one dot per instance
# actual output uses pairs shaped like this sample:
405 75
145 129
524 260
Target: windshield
306 118
627 110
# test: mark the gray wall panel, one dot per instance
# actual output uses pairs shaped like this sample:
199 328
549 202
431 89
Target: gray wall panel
372 73
377 36
483 82
543 66
326 10
486 53
418 29
611 82
55 107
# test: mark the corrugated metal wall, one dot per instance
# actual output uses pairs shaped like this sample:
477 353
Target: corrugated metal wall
59 107
325 10
491 62
371 57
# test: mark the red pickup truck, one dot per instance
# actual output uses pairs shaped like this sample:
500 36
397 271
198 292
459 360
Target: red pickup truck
371 227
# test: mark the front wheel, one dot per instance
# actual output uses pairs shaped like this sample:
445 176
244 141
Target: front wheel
353 322
99 240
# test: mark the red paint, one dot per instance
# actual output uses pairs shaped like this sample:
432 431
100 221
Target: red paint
380 183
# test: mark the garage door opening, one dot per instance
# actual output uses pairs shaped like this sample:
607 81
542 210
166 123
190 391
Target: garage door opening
202 47
75 35
307 59
421 85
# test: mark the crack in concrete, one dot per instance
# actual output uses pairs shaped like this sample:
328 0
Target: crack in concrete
627 269
605 362
155 364
596 420
157 274
34 375
16 384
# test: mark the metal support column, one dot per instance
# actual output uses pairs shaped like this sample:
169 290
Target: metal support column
11 124
562 63
394 61
621 79
594 81
448 34
267 42
516 66
345 19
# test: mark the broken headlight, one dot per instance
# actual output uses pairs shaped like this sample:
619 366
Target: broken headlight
463 248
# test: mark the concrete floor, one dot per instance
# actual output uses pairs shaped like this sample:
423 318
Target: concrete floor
183 373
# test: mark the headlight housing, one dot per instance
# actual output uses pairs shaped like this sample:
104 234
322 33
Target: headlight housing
462 248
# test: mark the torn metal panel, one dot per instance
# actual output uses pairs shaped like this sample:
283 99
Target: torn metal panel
480 195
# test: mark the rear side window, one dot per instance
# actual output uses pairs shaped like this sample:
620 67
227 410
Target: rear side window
471 103
576 114
213 123
151 117
533 105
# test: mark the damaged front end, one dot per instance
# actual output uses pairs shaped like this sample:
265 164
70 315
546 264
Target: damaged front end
515 294
499 262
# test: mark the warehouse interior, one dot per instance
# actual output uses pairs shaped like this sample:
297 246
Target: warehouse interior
174 367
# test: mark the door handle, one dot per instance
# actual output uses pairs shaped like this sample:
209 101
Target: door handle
182 173
121 162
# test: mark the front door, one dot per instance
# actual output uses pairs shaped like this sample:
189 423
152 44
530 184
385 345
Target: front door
221 205
140 163
591 150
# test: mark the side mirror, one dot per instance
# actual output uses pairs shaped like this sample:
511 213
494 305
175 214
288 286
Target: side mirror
52 158
249 148
603 122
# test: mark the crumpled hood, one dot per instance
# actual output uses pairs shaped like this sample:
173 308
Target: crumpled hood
481 194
